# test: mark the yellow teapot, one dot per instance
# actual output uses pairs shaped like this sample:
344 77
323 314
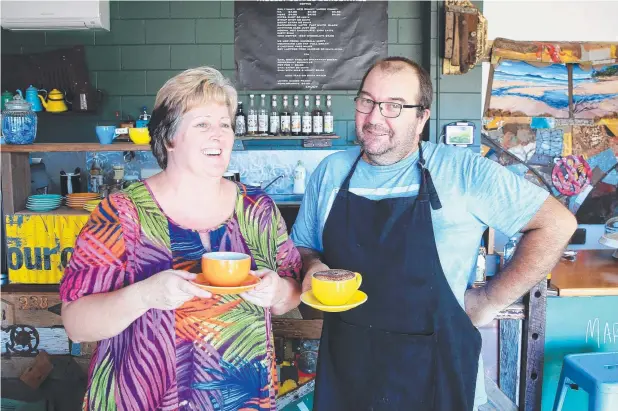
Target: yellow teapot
55 102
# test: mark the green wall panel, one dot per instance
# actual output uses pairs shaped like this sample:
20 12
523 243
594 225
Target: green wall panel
150 41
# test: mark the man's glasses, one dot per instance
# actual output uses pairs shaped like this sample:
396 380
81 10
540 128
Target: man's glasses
388 109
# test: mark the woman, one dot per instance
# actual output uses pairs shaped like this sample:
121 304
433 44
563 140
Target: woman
165 343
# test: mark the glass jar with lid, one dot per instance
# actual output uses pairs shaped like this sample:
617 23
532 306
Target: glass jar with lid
19 122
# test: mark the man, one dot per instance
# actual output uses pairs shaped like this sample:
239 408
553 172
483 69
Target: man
409 217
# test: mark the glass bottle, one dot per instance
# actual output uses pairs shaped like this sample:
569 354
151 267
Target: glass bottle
19 122
329 121
307 126
273 128
318 117
285 118
263 117
240 128
252 117
296 118
509 249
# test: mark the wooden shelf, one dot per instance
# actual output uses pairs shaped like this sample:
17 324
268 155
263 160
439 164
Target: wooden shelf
63 210
266 138
593 273
96 147
68 147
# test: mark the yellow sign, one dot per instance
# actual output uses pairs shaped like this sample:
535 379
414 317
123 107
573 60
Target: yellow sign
39 246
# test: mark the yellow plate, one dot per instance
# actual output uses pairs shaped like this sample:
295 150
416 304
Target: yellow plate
357 299
251 282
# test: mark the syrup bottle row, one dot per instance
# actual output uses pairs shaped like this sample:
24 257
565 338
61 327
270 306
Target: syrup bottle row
285 121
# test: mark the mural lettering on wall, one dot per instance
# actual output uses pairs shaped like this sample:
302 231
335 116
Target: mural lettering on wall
37 258
602 333
39 247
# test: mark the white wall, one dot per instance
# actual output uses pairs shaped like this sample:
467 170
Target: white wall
550 20
557 20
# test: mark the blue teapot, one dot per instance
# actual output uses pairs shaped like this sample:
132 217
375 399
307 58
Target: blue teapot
32 97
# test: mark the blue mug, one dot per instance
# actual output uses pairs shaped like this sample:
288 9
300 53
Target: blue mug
106 134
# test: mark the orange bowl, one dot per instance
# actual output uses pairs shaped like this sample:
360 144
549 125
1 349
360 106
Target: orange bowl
225 269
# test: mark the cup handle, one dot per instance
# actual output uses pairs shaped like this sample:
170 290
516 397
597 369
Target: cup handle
359 279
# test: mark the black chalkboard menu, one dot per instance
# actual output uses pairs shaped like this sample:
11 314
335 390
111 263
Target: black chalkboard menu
306 45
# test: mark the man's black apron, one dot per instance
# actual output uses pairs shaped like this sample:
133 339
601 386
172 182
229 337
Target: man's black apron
410 346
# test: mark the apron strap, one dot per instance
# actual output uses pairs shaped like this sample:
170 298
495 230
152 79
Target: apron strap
346 183
427 190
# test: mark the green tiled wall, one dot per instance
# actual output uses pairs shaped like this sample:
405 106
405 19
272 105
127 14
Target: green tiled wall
151 41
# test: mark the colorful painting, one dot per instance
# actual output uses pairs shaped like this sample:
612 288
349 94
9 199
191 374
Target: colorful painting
520 89
517 138
590 140
595 91
549 142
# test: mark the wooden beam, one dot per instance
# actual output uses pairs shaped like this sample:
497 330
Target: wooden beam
38 371
509 364
15 180
76 147
515 311
27 340
533 349
95 147
62 210
570 83
449 35
462 9
38 309
38 305
464 42
294 328
456 46
65 367
491 241
490 80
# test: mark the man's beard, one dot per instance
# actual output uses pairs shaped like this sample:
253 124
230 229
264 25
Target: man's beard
378 133
386 153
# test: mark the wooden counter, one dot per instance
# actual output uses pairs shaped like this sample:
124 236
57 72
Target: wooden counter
594 272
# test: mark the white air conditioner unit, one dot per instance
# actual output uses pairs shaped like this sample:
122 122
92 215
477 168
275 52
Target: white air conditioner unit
54 15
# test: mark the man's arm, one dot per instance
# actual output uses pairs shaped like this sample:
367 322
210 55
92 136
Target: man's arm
312 262
538 251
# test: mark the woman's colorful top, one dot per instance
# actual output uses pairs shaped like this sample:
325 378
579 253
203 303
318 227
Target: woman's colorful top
209 354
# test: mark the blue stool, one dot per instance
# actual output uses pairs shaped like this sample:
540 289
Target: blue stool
597 374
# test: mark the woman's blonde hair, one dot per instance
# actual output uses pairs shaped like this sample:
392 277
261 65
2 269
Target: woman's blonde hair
180 94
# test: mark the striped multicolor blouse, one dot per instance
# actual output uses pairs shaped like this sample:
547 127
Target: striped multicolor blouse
209 354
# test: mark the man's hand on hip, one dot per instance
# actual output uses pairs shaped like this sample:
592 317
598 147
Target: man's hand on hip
478 307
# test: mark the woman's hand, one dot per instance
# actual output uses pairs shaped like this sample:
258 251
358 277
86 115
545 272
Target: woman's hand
267 292
169 289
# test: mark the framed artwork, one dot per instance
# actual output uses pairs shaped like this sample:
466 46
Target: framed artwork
521 89
595 91
459 134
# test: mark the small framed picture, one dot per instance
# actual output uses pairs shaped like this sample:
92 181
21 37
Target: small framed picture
460 134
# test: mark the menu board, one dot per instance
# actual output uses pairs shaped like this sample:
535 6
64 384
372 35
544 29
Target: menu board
307 45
